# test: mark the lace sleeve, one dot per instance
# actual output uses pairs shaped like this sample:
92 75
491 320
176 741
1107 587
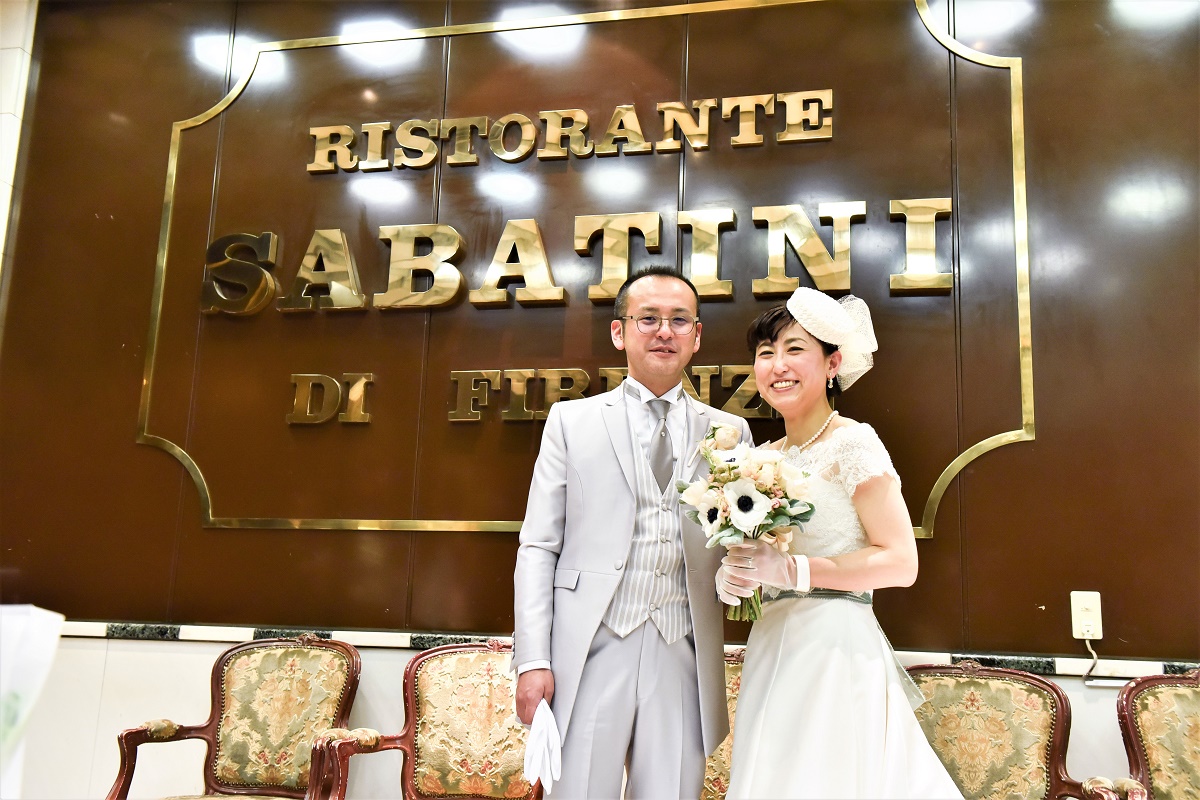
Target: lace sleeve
861 457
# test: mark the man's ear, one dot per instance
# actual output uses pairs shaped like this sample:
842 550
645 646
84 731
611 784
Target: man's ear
696 345
617 331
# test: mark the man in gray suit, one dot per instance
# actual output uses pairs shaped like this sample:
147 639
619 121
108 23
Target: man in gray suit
618 624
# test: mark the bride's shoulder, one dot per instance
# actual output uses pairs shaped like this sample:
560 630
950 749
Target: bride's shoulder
855 434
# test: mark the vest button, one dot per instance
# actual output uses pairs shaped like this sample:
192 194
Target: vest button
653 607
658 573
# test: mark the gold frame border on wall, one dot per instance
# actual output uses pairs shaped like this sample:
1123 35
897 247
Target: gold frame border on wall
1020 233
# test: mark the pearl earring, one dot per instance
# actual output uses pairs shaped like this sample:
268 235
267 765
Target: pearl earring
830 384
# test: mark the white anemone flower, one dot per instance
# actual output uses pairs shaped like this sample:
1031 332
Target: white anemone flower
735 456
748 507
708 506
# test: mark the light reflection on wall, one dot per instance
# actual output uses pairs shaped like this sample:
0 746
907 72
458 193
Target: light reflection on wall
1155 13
380 190
211 51
541 44
615 180
381 54
1148 199
980 21
510 187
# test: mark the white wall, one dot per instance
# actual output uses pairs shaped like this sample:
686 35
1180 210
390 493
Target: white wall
16 44
99 687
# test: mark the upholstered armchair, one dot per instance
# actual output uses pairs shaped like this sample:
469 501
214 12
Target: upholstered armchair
1160 722
461 737
270 699
1002 734
716 771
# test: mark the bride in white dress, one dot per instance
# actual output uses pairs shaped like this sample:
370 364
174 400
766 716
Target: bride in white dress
825 710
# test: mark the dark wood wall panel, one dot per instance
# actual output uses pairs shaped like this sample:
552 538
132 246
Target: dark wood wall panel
98 527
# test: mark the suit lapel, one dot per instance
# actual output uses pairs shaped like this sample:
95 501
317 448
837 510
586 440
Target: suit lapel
616 421
698 424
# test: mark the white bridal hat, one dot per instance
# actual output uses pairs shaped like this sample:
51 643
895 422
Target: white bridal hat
845 323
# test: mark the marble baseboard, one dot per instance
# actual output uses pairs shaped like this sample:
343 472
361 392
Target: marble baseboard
416 640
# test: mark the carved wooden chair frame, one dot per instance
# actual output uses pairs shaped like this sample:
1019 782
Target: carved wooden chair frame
1135 749
339 746
1061 785
167 731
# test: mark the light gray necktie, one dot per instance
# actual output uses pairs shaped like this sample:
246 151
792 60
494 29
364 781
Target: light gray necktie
662 460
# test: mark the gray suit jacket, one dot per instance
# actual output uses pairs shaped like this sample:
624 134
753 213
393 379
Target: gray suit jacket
576 538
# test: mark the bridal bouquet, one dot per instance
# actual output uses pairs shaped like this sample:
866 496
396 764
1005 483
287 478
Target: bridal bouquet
749 494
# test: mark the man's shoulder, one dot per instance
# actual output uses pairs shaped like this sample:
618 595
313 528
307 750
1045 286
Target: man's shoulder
569 409
717 415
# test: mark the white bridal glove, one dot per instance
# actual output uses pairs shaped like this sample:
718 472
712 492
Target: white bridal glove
731 588
759 562
543 748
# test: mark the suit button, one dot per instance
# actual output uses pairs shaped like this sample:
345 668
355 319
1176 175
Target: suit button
618 565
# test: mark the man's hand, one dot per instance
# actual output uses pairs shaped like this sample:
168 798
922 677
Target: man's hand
532 686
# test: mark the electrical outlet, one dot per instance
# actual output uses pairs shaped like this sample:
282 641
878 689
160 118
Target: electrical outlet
1085 616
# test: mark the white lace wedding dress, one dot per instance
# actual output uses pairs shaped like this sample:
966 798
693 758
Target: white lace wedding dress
824 710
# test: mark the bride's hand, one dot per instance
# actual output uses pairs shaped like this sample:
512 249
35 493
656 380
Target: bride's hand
731 588
759 562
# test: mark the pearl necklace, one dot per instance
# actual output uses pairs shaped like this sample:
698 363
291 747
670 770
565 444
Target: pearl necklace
814 437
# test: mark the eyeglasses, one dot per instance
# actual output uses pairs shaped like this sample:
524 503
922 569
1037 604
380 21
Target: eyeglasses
652 323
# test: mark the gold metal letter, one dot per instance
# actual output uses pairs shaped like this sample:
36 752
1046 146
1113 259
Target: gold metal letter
694 130
463 128
529 134
790 225
624 125
376 133
339 276
404 262
803 120
739 403
612 377
336 141
920 274
225 269
531 266
575 131
356 396
518 395
614 259
473 385
706 228
747 108
561 384
705 374
425 145
302 410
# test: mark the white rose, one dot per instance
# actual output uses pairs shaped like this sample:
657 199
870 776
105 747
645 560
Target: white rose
795 481
726 437
766 475
691 496
762 455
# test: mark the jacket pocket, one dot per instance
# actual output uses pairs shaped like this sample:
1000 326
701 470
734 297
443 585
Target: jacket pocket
566 578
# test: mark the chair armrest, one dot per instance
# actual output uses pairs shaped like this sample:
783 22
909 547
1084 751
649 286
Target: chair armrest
330 760
1104 789
158 730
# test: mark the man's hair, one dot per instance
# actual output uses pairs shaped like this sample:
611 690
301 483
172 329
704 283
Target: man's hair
621 306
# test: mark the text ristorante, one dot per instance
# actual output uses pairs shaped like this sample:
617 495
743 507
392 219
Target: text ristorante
563 133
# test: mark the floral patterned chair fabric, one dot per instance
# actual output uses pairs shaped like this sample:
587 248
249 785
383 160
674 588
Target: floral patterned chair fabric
1001 733
1160 722
716 771
461 737
271 699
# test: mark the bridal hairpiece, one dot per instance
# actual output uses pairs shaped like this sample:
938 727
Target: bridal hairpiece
845 323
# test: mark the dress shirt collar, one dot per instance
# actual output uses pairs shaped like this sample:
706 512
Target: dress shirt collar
673 395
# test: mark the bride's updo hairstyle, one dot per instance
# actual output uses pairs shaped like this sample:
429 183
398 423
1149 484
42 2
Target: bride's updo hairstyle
843 325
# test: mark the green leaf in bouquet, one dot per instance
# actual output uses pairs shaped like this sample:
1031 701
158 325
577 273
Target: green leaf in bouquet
693 515
681 486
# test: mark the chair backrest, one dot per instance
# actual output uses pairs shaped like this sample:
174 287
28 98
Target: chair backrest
1001 733
1160 722
716 771
461 730
271 697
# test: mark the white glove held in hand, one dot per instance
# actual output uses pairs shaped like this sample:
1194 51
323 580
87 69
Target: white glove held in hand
731 589
758 562
543 749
